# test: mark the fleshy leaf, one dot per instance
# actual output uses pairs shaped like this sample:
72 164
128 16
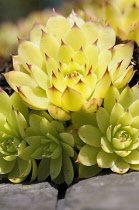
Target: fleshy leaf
80 118
120 166
75 38
48 45
90 135
67 138
55 167
102 119
15 79
29 53
54 95
72 100
67 169
110 98
106 160
34 96
57 25
64 53
106 145
43 169
88 155
133 157
106 38
102 86
91 32
88 171
134 108
116 113
6 166
58 114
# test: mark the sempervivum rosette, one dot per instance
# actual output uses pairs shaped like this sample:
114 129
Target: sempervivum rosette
13 122
50 143
68 65
111 139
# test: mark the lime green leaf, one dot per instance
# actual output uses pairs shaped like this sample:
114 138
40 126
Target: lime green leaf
6 166
133 157
67 138
5 104
106 160
135 122
80 118
127 97
102 119
116 113
88 171
57 152
18 104
120 166
21 169
88 155
134 108
110 98
90 135
106 145
125 119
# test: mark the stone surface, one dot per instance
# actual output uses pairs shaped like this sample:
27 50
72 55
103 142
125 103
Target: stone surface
103 192
35 196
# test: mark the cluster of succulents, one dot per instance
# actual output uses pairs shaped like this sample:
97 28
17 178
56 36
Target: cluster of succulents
72 110
113 12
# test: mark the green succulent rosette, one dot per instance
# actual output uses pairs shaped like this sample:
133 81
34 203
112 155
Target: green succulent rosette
13 122
50 143
111 137
68 65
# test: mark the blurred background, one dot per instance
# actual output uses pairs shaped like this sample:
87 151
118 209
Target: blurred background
18 16
14 9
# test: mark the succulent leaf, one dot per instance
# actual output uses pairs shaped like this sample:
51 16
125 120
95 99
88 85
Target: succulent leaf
68 65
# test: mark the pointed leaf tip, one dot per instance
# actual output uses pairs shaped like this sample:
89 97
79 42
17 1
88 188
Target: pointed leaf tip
54 13
43 32
46 56
62 42
75 25
29 66
20 40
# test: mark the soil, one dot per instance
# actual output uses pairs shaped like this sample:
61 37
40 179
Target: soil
5 66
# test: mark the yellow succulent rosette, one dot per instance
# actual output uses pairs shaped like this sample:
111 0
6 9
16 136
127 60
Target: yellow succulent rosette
68 65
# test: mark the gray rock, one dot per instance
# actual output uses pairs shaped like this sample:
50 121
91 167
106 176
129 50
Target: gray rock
104 192
36 196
